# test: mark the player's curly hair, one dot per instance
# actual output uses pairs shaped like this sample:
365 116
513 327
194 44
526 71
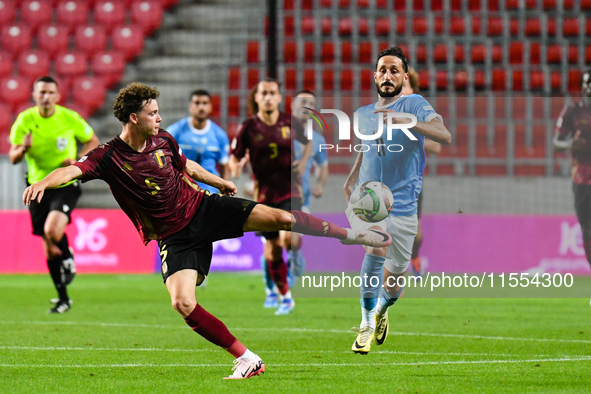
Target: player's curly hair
393 51
131 99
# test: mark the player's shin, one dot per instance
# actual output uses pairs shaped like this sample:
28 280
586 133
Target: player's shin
311 225
386 301
371 274
54 265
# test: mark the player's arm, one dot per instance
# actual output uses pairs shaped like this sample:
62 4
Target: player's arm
58 177
300 165
432 146
434 129
352 177
17 152
319 187
235 165
200 174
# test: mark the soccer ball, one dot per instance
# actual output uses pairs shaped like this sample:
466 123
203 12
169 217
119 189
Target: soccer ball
372 201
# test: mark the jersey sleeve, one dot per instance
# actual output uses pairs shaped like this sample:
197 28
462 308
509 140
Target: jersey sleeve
179 160
565 123
224 145
95 163
18 130
239 145
82 130
423 110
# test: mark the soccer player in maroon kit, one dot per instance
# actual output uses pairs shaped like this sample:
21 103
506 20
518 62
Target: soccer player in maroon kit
573 131
267 137
149 177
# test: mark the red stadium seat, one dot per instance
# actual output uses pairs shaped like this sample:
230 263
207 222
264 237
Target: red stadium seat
570 27
366 81
551 27
71 64
129 40
288 4
234 106
516 50
253 78
308 25
531 4
72 13
461 80
326 3
573 54
15 38
479 80
459 54
498 80
90 39
536 80
533 27
511 4
36 13
344 4
418 5
5 63
438 25
345 27
424 79
291 81
109 13
497 54
328 80
441 80
518 81
307 4
347 80
53 39
556 81
327 55
399 5
148 14
476 25
309 80
493 5
33 64
478 53
89 92
288 26
440 53
326 26
365 53
585 4
15 91
457 26
382 26
346 52
549 5
534 53
514 27
474 5
363 26
252 52
437 5
110 66
421 53
420 26
290 52
7 12
494 26
554 53
234 78
168 4
309 52
574 80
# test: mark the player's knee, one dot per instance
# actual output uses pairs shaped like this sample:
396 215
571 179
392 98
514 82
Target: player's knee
54 235
183 305
380 252
283 219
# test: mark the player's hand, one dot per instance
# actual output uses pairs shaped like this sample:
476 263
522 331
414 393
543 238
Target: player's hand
27 141
299 167
68 162
394 120
227 188
318 190
578 142
35 191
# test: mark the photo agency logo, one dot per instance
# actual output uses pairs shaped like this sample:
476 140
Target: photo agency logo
371 132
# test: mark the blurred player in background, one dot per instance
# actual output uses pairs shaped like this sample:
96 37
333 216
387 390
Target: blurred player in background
573 132
202 140
402 171
46 135
411 86
319 158
267 138
148 176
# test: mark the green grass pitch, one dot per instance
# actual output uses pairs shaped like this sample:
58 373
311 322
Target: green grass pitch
122 336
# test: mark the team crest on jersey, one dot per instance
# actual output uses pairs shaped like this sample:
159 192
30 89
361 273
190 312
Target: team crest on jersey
61 143
160 158
285 131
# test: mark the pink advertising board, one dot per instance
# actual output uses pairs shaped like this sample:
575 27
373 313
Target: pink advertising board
461 243
104 241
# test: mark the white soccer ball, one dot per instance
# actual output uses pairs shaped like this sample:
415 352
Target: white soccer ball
372 201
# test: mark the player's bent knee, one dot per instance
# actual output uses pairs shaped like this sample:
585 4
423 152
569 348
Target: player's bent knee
183 305
380 252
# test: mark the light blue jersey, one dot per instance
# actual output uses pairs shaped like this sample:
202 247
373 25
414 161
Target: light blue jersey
207 147
318 157
399 163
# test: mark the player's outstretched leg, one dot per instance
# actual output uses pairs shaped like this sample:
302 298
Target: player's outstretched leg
264 218
181 286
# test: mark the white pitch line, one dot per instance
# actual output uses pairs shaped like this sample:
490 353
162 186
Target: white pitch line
311 330
540 360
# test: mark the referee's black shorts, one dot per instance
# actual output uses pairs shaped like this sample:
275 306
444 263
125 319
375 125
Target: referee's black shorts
63 199
218 217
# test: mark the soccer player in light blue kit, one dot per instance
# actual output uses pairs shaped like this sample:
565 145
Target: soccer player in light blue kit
202 140
304 99
399 164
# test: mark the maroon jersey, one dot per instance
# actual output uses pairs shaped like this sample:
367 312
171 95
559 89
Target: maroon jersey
576 117
271 156
150 186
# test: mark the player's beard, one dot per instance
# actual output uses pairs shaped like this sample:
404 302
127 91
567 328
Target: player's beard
393 93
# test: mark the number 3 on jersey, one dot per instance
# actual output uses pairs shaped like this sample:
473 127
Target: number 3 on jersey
275 152
152 184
